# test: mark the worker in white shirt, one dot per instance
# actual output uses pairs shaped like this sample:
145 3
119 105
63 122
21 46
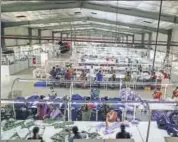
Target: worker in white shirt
52 93
92 72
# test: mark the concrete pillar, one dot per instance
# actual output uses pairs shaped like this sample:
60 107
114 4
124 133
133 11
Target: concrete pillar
30 36
149 44
127 37
3 44
169 37
39 35
133 39
143 40
52 37
61 36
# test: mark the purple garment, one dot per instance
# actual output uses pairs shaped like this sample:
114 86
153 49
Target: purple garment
55 113
99 77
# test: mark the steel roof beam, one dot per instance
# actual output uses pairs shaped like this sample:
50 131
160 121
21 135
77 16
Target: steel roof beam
94 25
34 6
92 29
55 20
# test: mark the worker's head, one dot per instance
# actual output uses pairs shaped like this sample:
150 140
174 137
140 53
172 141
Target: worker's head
158 88
42 97
67 70
122 127
111 109
105 98
99 71
87 99
53 68
35 131
92 67
75 130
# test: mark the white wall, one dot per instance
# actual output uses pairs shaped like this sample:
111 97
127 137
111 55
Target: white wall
138 37
46 33
16 31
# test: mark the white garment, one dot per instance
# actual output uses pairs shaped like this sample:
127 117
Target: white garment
92 71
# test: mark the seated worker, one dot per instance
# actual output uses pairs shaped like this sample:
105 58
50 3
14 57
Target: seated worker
86 110
76 134
53 73
52 92
83 79
67 75
83 75
127 76
112 71
104 109
99 78
157 94
111 117
113 77
53 112
70 69
42 110
123 134
175 93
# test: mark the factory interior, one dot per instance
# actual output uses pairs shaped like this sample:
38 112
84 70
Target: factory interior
81 70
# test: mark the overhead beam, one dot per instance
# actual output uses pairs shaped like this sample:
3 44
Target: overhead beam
94 25
57 20
91 30
47 5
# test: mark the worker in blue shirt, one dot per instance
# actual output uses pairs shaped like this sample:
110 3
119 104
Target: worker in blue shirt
99 78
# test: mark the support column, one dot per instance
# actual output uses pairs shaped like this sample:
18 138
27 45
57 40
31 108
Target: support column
169 37
133 39
127 38
143 39
52 37
30 36
3 44
149 44
61 36
39 36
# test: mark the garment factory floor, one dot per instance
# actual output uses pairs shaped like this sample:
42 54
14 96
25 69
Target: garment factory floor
28 88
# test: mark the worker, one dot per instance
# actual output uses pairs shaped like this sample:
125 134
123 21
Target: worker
76 134
36 135
86 110
157 94
92 71
67 75
83 79
70 69
52 93
104 109
112 71
111 117
53 73
175 93
123 134
99 78
127 76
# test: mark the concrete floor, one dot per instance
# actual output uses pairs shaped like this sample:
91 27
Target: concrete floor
27 88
